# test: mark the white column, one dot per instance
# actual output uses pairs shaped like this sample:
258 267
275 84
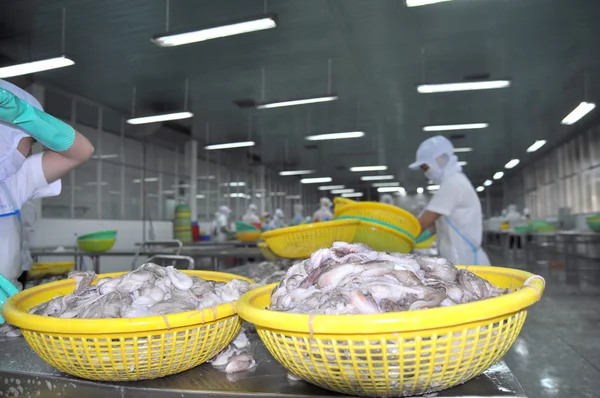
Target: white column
193 154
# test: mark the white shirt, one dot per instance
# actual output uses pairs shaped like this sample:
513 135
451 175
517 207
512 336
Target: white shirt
457 200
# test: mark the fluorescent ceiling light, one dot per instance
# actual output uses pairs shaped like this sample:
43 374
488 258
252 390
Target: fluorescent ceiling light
352 195
107 156
295 172
498 175
376 178
386 184
433 187
147 179
160 118
238 195
460 150
512 163
315 180
451 127
200 196
479 189
33 67
389 189
536 145
401 192
417 3
235 184
335 136
215 32
277 193
229 145
368 168
330 187
293 197
463 163
207 177
303 101
582 109
102 183
462 86
339 191
487 183
420 190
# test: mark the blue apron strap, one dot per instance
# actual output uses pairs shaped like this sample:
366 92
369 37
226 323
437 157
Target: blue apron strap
473 246
12 213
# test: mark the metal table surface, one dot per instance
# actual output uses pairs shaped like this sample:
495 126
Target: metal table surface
24 374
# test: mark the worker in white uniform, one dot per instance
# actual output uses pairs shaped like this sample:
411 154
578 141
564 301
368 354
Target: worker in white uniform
387 199
251 217
324 212
28 219
221 224
277 219
24 177
454 213
298 215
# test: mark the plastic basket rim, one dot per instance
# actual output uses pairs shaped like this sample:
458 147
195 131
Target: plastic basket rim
106 231
306 227
390 231
395 322
45 324
373 221
381 206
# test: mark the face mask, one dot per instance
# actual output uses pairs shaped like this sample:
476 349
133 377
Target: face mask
434 175
10 164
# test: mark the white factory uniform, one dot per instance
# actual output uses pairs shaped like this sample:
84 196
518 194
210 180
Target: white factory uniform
28 218
21 180
251 217
324 212
460 225
298 216
221 224
277 220
387 199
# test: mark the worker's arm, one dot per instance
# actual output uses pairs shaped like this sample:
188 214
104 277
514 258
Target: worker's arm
58 164
427 221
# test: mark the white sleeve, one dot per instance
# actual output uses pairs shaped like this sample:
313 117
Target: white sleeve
445 199
30 183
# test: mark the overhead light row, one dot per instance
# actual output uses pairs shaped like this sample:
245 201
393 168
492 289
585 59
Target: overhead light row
452 127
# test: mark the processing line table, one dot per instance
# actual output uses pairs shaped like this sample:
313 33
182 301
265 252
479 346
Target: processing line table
24 374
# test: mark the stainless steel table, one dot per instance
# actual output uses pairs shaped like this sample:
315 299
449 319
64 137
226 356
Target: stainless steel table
24 374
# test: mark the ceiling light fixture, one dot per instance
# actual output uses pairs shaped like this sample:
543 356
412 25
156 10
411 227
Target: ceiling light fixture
420 190
461 150
230 145
160 118
147 179
352 195
433 187
462 86
386 184
335 136
340 191
417 3
368 168
487 183
401 192
236 184
512 163
293 197
295 172
302 101
536 145
199 196
463 163
480 189
376 178
498 175
34 67
107 156
452 127
576 114
247 25
315 180
330 187
389 189
210 177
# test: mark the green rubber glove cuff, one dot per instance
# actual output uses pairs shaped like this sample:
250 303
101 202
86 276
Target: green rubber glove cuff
424 236
48 130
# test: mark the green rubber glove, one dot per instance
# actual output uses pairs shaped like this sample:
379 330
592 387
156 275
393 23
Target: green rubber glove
48 130
424 236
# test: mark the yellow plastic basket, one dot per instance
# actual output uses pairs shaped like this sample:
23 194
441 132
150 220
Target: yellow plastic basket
341 202
303 240
382 238
124 349
41 270
381 212
248 236
267 252
402 353
426 244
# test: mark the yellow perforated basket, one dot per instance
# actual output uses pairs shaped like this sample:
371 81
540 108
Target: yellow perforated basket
267 252
382 238
41 270
426 244
303 240
402 353
341 202
381 212
124 349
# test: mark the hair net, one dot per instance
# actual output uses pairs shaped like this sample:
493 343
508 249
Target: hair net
437 153
325 202
387 199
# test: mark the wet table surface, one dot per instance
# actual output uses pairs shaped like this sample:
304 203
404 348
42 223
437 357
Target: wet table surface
24 374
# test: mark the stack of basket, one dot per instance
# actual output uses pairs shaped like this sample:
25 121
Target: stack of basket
246 232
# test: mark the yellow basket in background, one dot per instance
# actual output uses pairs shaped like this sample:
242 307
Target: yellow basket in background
303 240
382 238
267 252
248 236
123 349
41 270
426 244
401 353
341 202
389 214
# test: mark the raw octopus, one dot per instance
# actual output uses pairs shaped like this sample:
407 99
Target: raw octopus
147 291
354 279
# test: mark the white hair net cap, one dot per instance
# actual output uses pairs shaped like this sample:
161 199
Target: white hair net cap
224 210
430 149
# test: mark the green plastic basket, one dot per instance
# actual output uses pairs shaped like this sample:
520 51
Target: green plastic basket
594 223
241 227
100 235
